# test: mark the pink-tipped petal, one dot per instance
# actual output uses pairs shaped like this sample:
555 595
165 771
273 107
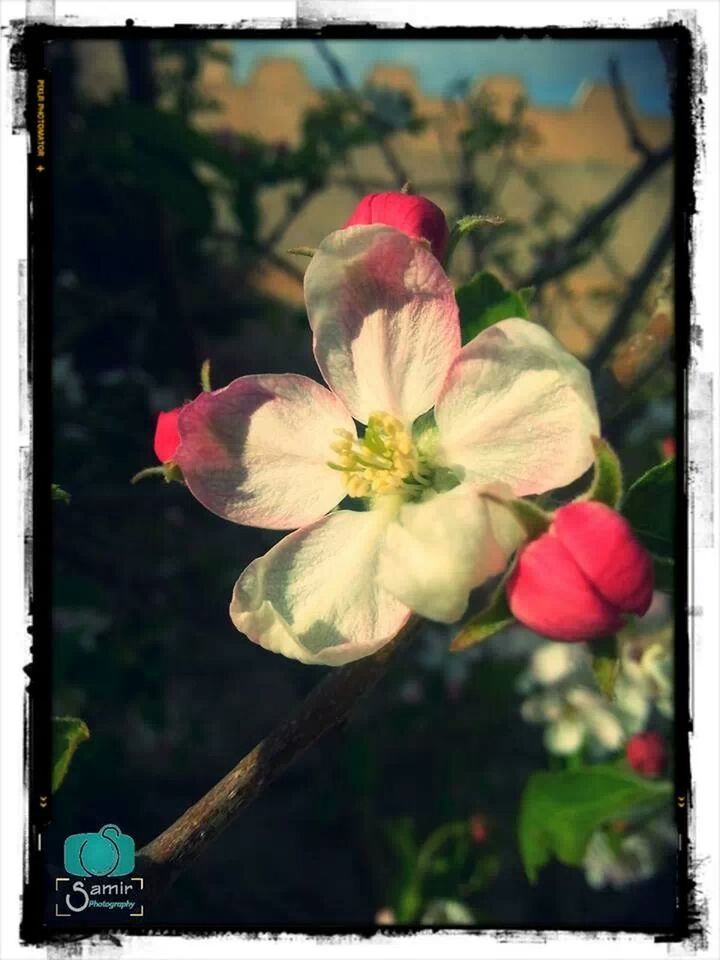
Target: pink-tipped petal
605 548
315 596
517 408
548 592
167 437
384 320
256 451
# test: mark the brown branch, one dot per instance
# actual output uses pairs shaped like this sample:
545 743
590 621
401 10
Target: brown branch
622 104
326 708
633 297
565 261
569 216
637 359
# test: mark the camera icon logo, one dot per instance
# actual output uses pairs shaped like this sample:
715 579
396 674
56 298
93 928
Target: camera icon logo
107 853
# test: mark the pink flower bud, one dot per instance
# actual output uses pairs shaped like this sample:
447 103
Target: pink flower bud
645 752
577 580
416 216
167 437
667 445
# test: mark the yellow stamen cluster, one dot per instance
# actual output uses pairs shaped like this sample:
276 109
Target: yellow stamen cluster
383 461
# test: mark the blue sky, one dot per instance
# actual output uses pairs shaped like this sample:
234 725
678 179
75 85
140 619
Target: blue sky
552 70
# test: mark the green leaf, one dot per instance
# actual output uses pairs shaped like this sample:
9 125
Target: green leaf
486 623
560 810
59 494
607 482
664 575
483 301
649 505
67 735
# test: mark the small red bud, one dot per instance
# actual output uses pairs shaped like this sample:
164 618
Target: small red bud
167 437
667 445
416 216
478 828
576 581
645 752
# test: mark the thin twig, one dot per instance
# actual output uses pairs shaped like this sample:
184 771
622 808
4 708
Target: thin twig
622 103
633 297
325 709
382 129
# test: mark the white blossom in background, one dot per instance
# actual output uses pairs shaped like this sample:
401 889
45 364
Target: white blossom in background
574 718
633 857
645 681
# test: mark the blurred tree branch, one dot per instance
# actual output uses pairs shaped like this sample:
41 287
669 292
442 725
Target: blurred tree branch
622 104
171 304
633 296
565 254
343 81
326 707
638 358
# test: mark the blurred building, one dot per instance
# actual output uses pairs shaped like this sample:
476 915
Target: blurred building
570 161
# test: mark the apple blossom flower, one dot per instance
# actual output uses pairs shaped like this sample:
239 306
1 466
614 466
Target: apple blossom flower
646 753
167 437
645 681
418 217
574 717
513 412
634 858
577 580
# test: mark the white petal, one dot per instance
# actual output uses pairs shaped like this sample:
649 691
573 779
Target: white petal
438 550
564 736
384 319
315 597
256 451
606 728
554 661
518 408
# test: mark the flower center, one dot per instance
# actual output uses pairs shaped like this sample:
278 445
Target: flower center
385 460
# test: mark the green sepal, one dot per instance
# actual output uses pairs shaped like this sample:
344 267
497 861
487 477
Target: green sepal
607 481
489 621
170 472
205 376
302 251
533 519
67 735
466 225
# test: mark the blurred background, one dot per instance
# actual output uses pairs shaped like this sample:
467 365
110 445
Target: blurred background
183 172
